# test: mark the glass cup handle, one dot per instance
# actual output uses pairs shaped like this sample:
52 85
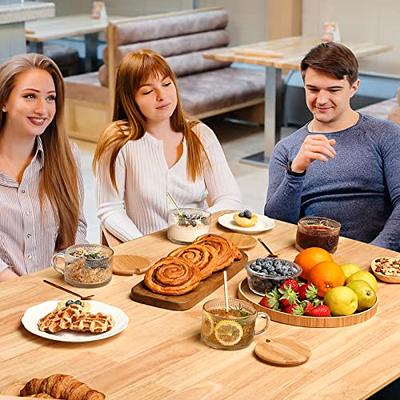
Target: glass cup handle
55 265
267 320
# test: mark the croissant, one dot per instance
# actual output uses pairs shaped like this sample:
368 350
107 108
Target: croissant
60 386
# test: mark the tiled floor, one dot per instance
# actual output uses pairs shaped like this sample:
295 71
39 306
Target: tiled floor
238 140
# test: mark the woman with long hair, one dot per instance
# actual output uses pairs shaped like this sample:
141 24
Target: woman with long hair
41 189
152 149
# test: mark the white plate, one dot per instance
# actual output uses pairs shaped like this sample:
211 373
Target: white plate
263 224
33 314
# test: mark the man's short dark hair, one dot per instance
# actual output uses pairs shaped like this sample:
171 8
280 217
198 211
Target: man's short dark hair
332 58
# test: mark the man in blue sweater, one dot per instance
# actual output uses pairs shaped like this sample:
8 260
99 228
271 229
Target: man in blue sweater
342 165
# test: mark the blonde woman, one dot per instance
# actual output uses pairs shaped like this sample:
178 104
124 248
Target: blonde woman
152 149
40 183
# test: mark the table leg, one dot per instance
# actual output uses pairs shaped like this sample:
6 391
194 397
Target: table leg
272 116
91 51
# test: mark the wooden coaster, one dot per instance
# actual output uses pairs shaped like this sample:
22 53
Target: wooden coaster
129 265
285 352
242 242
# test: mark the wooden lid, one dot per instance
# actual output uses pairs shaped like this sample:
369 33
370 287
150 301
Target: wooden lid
285 352
129 264
242 242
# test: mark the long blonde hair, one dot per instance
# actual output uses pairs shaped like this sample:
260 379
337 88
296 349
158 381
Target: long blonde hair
59 176
135 69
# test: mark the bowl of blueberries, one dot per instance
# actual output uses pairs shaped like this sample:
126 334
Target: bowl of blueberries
263 274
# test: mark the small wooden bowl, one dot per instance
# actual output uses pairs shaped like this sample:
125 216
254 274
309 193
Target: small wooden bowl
245 293
383 277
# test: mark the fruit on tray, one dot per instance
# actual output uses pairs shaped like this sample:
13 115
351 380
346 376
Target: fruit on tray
245 219
364 276
365 294
310 257
325 276
341 300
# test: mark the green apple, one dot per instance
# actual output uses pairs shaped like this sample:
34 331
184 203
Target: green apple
341 300
365 294
364 276
349 269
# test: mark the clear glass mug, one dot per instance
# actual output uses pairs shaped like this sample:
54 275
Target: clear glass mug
230 330
317 232
85 265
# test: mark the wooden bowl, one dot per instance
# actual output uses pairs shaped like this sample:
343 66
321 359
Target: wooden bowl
245 293
388 261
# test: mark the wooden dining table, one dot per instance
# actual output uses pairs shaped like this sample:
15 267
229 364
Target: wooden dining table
276 56
160 354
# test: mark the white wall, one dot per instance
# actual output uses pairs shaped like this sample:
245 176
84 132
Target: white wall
360 20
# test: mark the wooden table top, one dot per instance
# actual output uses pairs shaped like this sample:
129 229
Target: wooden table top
42 30
160 355
285 53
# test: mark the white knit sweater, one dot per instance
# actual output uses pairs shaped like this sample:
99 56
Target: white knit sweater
140 206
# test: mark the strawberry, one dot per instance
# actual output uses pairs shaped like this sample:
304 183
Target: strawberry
308 307
307 292
290 283
271 299
295 309
287 297
320 311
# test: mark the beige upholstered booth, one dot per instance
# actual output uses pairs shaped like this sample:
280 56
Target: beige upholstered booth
207 87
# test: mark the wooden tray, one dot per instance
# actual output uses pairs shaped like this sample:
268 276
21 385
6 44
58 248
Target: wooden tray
141 294
245 293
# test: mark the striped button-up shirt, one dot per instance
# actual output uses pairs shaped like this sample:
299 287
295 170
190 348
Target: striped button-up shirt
27 235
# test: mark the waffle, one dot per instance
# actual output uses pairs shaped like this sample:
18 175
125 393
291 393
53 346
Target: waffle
94 323
59 320
74 318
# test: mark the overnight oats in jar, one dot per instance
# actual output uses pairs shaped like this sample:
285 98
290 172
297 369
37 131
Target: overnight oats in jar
317 232
187 224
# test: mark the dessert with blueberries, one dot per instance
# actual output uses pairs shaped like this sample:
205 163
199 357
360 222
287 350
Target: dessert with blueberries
263 274
245 218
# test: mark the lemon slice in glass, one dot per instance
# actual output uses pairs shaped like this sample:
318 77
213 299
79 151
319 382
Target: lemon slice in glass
207 327
228 332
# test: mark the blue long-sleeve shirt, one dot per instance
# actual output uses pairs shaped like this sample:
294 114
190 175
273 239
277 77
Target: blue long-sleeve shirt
359 187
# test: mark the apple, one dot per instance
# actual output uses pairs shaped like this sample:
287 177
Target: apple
364 276
365 294
349 269
341 300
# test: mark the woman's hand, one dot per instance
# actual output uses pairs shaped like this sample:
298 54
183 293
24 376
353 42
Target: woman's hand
314 147
7 275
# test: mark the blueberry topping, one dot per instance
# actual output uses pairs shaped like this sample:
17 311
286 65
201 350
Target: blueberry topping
247 214
69 302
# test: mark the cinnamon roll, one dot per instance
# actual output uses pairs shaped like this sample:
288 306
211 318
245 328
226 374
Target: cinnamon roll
226 251
172 276
204 257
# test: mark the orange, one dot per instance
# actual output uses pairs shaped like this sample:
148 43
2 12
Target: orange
307 258
326 275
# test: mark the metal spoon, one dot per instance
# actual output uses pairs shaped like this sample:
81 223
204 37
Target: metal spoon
67 290
271 254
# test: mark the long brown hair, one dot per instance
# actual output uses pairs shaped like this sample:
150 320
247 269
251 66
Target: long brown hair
59 176
136 68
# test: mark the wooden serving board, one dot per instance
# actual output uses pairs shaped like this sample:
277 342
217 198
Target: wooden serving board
141 294
245 293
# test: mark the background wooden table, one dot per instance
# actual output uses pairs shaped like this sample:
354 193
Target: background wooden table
275 56
43 30
160 355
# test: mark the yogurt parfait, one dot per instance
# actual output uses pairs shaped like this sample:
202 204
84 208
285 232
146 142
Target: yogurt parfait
187 224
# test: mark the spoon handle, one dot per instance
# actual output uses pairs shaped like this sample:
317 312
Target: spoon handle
65 289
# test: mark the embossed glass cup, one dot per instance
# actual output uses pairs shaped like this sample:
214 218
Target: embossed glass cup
233 329
317 232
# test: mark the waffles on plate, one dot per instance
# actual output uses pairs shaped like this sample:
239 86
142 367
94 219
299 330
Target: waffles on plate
74 318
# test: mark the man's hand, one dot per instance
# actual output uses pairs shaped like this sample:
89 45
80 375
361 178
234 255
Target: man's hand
314 147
